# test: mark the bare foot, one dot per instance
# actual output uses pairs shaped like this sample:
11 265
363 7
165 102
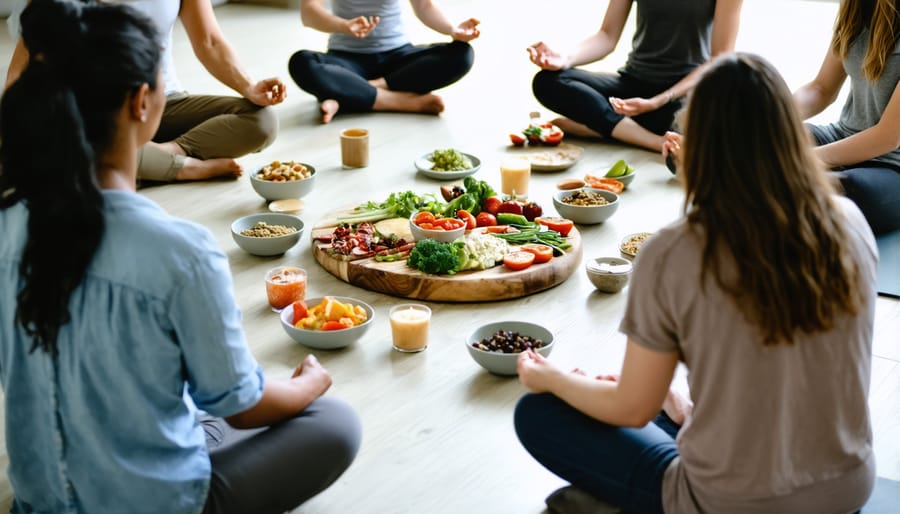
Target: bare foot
329 108
197 169
574 128
401 101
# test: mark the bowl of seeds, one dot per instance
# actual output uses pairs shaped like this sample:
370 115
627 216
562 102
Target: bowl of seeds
496 346
266 234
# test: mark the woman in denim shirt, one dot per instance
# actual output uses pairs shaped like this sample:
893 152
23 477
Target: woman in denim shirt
118 321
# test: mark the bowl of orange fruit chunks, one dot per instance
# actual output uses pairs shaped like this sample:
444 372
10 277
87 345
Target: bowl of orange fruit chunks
327 323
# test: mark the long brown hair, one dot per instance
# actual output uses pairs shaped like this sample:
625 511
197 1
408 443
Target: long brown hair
882 18
762 200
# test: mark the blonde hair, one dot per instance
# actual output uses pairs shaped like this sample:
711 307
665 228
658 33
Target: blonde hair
762 201
882 18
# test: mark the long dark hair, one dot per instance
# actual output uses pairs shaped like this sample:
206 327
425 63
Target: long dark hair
56 121
764 201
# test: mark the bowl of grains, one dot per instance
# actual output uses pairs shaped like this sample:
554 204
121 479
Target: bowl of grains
280 180
496 346
631 244
586 206
267 233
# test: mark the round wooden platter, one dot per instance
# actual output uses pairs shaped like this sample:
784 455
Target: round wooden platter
398 279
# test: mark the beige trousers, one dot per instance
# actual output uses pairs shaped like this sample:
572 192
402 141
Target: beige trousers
206 127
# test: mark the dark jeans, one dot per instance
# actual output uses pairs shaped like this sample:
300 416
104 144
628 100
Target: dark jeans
344 76
583 96
275 469
621 466
873 186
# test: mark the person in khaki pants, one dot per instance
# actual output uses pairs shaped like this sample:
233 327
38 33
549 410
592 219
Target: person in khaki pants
200 135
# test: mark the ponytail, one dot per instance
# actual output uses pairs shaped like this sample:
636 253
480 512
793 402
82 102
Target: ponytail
55 121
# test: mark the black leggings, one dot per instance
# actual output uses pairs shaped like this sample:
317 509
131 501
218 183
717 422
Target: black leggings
873 186
344 76
583 96
275 469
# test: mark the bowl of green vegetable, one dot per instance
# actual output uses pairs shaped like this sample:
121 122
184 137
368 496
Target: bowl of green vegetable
448 164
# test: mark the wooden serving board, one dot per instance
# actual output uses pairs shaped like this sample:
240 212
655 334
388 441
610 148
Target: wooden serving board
398 279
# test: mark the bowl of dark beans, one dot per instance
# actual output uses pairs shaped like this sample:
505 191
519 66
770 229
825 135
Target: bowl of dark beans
496 346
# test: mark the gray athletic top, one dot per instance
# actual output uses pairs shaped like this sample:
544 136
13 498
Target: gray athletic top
867 100
388 34
671 39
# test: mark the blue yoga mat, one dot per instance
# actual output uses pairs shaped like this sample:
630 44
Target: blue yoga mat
889 265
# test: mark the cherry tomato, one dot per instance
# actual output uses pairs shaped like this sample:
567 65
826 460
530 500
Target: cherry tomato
485 219
510 206
561 225
542 253
517 140
466 216
449 223
518 260
423 217
491 204
429 226
300 311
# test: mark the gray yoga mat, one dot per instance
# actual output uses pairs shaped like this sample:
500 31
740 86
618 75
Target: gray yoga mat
889 265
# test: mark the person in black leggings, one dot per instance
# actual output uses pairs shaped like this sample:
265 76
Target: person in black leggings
370 64
862 146
637 105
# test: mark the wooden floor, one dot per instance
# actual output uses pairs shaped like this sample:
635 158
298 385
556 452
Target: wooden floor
438 434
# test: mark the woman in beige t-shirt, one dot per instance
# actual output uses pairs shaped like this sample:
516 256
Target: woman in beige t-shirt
766 291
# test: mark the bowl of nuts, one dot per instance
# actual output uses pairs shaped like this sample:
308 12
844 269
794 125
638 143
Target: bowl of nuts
632 243
586 206
266 233
496 346
280 180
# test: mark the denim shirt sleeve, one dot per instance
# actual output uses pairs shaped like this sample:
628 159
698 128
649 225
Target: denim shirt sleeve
222 375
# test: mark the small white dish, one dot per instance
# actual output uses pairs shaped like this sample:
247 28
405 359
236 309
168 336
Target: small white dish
424 165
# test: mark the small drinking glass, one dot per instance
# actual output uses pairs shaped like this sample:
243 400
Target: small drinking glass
284 286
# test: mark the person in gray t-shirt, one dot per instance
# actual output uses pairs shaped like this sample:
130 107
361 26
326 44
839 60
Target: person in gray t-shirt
862 146
637 105
765 290
371 65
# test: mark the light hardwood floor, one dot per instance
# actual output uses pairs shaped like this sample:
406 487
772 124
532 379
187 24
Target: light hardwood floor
438 434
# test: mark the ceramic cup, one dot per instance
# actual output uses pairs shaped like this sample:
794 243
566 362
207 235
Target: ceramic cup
355 148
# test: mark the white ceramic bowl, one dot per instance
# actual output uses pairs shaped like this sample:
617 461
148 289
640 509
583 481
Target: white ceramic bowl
609 274
586 215
626 179
505 363
626 253
444 236
266 246
282 190
327 339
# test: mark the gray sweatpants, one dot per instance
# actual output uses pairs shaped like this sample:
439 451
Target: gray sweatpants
206 127
275 469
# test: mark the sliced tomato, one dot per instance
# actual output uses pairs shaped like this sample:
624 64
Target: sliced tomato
300 311
485 219
423 217
518 260
553 138
542 253
517 140
561 225
449 223
498 229
467 217
333 325
491 204
429 226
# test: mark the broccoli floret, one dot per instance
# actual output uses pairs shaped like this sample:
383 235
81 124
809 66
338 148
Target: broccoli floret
434 257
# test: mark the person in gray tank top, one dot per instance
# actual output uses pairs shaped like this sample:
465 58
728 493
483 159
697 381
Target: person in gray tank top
637 105
370 64
862 146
